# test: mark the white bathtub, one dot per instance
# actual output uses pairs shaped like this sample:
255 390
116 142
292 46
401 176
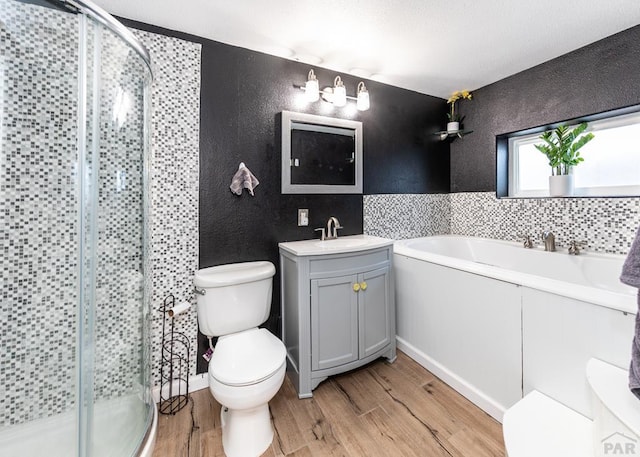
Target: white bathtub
496 320
589 276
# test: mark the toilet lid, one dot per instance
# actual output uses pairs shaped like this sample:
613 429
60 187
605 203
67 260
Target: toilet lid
247 357
234 273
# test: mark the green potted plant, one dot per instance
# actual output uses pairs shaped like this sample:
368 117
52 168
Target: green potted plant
561 146
454 118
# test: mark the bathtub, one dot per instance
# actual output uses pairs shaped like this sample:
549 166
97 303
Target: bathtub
495 320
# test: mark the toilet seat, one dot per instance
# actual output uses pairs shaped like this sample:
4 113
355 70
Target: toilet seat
246 358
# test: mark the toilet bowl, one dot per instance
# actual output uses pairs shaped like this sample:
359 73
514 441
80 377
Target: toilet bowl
248 363
245 372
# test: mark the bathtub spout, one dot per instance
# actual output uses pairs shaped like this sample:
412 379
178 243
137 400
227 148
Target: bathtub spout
549 241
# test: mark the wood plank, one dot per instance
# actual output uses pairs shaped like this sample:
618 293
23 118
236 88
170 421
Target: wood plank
423 436
482 445
206 418
411 370
303 452
416 401
175 432
392 438
350 432
288 436
463 411
312 423
361 389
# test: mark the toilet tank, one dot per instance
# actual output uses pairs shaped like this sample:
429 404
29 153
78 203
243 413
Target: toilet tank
236 296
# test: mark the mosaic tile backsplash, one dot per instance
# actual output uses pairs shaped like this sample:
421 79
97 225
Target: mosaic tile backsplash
605 224
401 216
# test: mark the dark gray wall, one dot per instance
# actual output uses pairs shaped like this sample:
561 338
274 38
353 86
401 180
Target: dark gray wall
242 94
599 77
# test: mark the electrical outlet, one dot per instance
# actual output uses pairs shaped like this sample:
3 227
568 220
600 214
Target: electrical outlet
303 217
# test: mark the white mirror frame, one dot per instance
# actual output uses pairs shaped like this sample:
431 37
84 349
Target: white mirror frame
289 117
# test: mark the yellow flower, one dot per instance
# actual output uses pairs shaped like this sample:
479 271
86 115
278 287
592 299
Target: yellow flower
465 94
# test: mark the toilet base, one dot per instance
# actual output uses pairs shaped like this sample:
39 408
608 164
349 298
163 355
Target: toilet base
246 432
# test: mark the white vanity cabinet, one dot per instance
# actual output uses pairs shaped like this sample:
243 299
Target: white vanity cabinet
338 308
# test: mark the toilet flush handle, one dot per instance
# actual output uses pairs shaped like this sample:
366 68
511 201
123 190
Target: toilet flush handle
199 291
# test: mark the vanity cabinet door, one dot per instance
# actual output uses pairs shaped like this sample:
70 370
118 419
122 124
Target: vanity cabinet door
334 321
374 311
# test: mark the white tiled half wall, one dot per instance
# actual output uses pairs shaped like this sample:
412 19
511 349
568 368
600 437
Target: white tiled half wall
605 224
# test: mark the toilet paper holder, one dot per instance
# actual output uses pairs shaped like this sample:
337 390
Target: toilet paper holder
174 362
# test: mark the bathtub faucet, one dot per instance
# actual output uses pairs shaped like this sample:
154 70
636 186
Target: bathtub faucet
549 241
528 242
575 246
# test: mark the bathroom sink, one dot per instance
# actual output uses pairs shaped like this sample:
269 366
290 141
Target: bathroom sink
340 243
351 243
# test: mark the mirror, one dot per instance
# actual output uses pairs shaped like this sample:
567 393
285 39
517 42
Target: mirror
320 155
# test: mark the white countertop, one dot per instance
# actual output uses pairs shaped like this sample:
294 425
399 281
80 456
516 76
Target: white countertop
342 244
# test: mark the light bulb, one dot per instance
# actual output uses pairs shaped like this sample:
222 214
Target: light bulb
339 92
363 98
311 88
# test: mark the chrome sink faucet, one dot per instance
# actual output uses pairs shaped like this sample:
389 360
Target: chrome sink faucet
332 235
549 241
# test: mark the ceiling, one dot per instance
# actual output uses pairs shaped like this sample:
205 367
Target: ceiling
430 46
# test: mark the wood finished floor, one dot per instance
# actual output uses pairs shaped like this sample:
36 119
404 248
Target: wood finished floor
382 409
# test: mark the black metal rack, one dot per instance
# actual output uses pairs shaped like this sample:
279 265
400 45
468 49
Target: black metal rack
174 365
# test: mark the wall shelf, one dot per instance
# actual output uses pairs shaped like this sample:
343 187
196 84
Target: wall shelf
445 134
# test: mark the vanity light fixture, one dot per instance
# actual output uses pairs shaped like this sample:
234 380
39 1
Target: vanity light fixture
337 95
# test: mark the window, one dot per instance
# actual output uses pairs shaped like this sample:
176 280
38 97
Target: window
611 164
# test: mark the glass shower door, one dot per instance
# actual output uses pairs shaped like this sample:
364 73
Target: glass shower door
115 373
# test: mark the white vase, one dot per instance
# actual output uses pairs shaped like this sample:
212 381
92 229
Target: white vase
561 186
453 127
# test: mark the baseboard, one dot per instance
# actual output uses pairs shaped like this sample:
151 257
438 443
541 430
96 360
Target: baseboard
484 402
197 382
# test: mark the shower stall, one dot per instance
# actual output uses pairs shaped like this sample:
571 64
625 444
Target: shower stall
74 332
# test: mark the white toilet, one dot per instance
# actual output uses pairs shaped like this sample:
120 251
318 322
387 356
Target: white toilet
248 364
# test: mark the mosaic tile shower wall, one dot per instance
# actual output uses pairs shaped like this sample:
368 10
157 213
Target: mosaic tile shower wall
401 216
175 163
119 298
606 224
40 207
38 212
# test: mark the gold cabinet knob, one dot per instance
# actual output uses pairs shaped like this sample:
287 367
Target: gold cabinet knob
363 285
356 287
